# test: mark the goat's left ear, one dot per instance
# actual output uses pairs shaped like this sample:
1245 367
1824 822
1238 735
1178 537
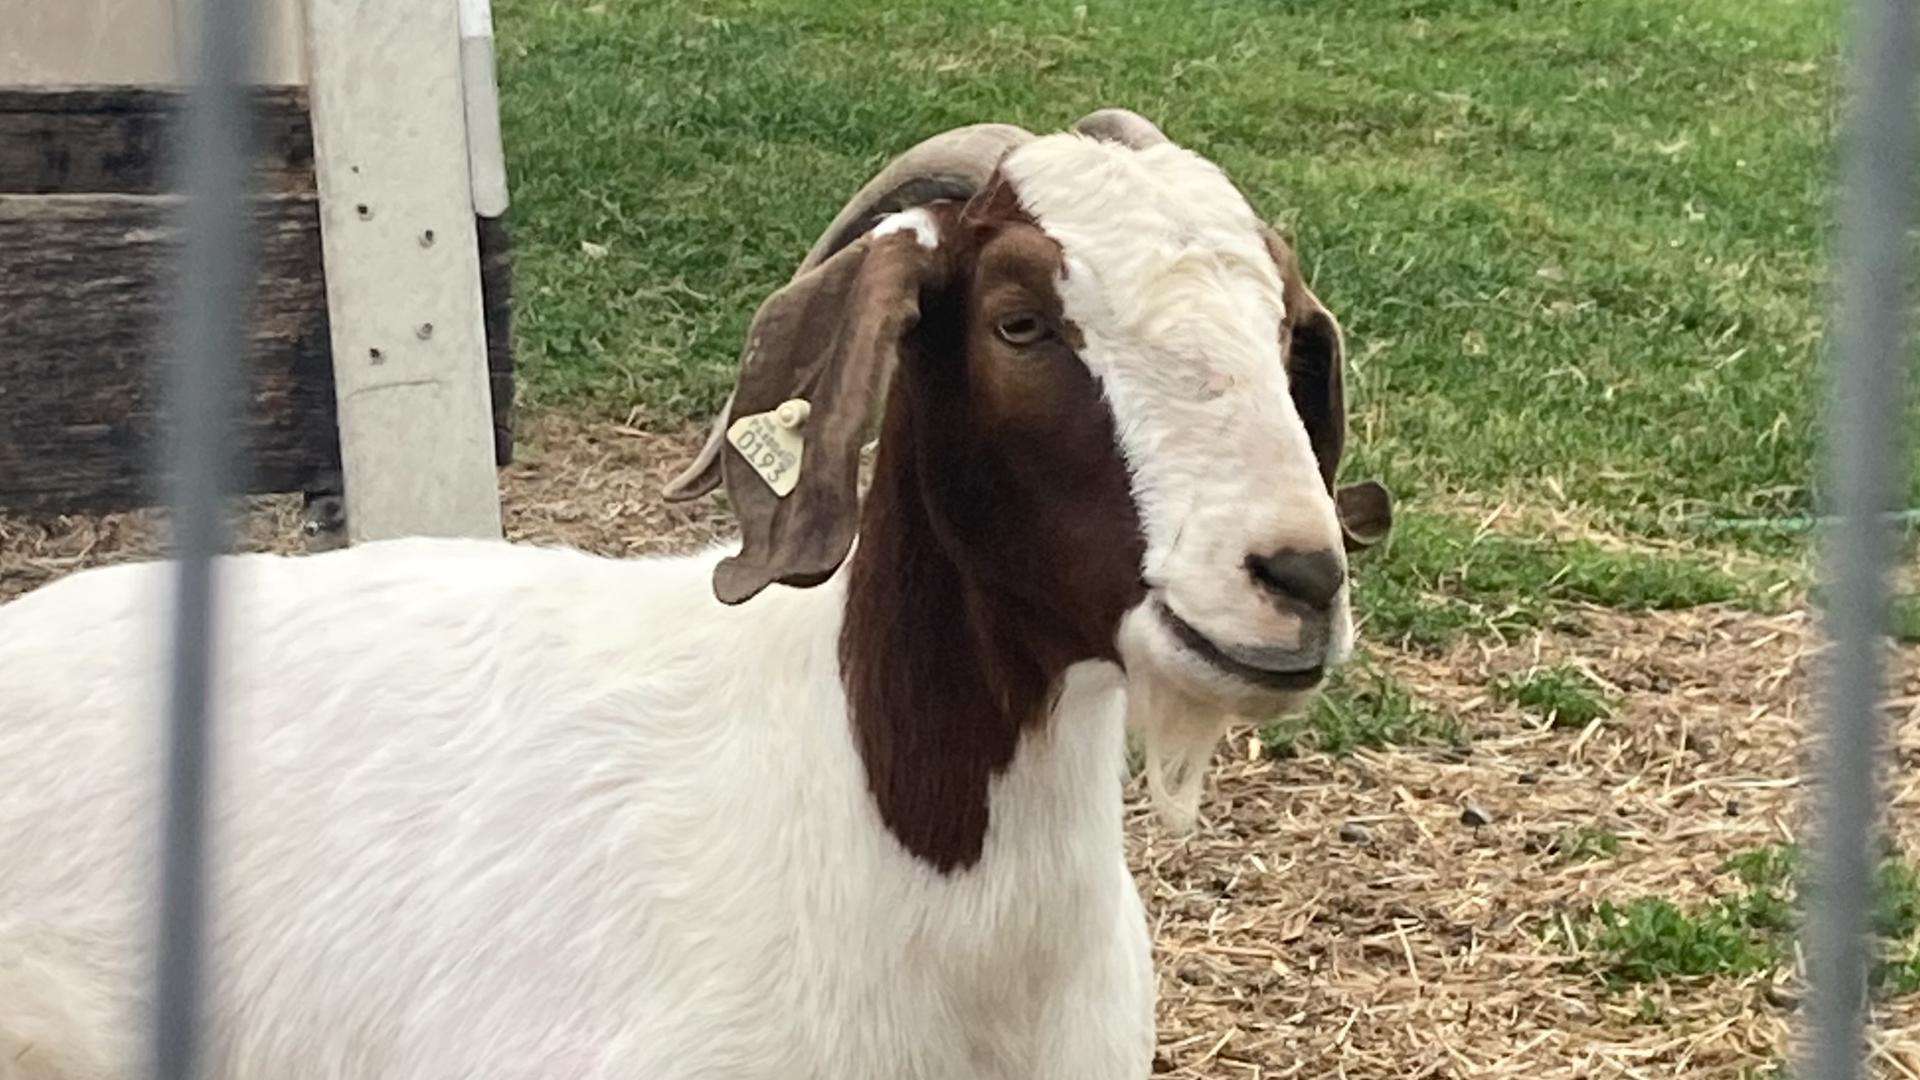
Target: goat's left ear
1316 357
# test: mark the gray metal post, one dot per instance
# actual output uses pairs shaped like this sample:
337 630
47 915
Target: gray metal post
209 338
1863 460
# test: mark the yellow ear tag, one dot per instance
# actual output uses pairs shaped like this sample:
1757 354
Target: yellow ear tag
771 442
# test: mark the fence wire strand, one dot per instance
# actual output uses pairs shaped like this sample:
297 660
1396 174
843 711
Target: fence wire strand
1864 451
209 338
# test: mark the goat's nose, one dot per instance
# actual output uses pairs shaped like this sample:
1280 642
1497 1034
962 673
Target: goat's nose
1311 578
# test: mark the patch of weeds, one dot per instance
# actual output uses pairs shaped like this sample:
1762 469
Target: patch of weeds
1588 843
1364 708
1439 577
1900 975
1643 581
1562 695
1896 901
1770 876
1906 619
1652 939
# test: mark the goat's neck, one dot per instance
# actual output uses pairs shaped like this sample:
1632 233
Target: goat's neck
946 669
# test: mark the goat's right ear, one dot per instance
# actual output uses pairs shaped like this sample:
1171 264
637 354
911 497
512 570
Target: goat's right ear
818 357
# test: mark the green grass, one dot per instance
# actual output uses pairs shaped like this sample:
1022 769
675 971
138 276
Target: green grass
1364 707
1906 619
1439 578
1748 930
1578 247
1562 696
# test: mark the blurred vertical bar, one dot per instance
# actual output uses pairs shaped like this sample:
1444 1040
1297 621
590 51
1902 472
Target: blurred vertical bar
209 339
1863 476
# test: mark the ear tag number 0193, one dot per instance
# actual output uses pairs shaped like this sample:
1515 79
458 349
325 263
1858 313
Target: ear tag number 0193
772 442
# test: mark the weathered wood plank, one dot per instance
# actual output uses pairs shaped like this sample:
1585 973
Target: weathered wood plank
496 295
113 140
61 146
82 338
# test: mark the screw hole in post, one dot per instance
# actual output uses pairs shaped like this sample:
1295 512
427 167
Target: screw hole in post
364 211
425 331
426 238
376 356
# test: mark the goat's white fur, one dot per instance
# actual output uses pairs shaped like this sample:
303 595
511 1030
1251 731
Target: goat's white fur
926 232
496 811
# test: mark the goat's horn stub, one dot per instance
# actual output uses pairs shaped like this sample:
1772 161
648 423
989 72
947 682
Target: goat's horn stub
1122 126
703 474
951 165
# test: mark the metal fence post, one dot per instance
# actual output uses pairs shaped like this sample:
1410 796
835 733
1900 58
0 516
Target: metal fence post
1866 410
209 337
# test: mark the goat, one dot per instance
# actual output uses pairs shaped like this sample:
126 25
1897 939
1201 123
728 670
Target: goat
483 809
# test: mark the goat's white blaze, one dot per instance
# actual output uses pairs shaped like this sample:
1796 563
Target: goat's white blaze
1179 303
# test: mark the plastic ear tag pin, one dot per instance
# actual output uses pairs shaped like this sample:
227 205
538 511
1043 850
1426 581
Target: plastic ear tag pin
772 443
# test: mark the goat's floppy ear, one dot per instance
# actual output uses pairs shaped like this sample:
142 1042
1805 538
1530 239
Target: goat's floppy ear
818 355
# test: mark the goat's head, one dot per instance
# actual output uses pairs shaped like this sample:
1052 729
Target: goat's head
1104 387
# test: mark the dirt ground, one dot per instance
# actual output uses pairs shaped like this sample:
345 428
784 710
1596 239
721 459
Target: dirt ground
1339 918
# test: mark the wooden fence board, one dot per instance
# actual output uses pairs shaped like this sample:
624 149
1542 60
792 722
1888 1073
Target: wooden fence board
83 336
86 282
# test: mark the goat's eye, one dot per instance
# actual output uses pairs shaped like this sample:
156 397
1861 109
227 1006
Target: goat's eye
1022 329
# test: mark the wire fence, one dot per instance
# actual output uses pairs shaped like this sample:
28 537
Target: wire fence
1868 375
209 338
1864 454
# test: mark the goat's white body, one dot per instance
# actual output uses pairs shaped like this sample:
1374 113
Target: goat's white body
494 811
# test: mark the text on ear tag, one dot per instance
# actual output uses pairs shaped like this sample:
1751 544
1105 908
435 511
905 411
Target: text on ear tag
771 442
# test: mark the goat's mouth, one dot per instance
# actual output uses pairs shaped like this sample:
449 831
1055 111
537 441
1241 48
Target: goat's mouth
1204 647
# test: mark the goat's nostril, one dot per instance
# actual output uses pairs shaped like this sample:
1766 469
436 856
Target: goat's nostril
1312 578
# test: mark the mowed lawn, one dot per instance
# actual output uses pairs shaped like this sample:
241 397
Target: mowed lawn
1579 247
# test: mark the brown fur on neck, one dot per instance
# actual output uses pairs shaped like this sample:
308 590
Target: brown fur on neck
998 546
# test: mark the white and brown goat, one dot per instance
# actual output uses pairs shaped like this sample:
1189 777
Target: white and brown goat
485 810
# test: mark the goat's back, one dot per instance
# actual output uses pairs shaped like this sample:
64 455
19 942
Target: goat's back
441 767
